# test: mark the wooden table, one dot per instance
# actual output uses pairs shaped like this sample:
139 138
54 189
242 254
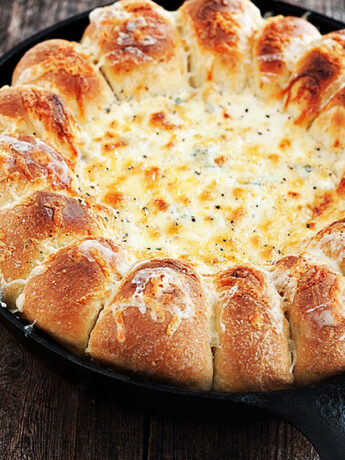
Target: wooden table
43 416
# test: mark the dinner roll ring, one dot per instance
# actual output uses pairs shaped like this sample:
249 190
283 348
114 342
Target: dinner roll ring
64 260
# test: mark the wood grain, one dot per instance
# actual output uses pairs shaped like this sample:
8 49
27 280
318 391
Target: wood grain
332 8
186 440
37 408
43 416
108 430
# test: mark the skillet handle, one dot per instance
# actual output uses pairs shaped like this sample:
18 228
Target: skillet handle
318 412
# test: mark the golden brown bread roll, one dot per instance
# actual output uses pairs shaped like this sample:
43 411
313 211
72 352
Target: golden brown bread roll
33 228
317 75
33 111
253 351
61 67
157 324
329 244
314 298
329 126
65 293
277 46
137 46
218 35
28 164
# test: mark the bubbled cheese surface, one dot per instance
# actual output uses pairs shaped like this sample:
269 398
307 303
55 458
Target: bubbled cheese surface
209 176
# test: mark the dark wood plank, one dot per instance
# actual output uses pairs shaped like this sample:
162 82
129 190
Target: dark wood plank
332 8
43 416
21 18
108 430
251 440
38 409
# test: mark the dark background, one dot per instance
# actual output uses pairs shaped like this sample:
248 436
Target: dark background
43 416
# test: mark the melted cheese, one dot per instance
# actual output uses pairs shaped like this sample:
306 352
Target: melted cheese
209 176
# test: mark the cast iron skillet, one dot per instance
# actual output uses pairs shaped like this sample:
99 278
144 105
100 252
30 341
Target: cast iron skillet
318 411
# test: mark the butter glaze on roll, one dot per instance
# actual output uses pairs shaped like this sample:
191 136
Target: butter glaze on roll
329 126
29 110
33 228
157 324
317 75
137 47
65 293
63 68
218 37
28 164
277 46
314 296
329 243
253 351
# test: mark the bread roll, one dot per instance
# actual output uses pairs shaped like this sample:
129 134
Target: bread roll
314 298
32 111
137 47
277 46
317 75
329 126
218 34
28 164
329 244
157 325
32 229
61 67
65 293
253 351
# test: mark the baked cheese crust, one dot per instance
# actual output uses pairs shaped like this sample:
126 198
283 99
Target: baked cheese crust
206 175
171 194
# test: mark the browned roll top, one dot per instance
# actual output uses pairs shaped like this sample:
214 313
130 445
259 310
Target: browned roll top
276 49
318 74
38 218
62 67
253 351
33 111
65 294
218 23
143 35
157 324
27 163
217 35
137 47
314 295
